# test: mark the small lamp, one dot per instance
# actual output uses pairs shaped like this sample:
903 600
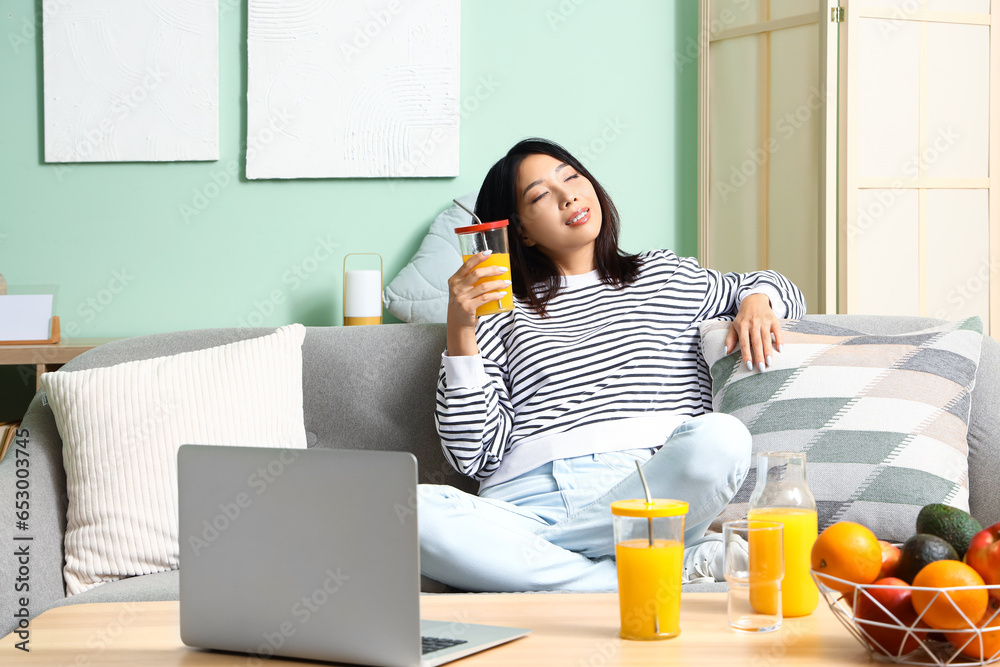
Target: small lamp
362 293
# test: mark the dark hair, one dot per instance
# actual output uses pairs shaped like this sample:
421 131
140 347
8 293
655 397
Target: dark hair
535 277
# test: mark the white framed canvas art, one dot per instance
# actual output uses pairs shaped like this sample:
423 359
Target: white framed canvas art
131 80
367 88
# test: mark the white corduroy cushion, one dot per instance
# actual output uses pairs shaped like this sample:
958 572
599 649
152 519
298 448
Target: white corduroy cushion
121 427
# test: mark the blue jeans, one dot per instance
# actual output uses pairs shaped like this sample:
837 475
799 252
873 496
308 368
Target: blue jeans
551 528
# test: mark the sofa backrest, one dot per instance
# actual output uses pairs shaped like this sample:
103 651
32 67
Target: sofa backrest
373 387
370 387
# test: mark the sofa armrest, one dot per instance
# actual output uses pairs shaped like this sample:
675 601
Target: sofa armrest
40 577
984 436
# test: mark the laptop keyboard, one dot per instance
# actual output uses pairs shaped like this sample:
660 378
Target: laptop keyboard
431 644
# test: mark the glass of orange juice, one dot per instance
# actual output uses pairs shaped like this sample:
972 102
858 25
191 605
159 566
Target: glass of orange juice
492 236
649 549
754 570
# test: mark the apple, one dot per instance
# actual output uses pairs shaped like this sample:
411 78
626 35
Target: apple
890 558
983 556
895 601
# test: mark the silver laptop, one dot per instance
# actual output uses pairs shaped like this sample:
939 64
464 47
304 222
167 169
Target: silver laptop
309 553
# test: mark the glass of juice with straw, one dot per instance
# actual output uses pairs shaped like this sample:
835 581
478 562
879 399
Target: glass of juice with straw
649 549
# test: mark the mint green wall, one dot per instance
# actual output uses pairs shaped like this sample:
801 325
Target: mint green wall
598 76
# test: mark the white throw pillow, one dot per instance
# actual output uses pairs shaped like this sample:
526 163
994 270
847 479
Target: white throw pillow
419 293
121 427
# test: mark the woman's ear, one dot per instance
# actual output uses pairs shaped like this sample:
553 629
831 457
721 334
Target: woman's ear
518 229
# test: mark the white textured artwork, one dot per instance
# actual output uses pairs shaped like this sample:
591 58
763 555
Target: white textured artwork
367 88
131 80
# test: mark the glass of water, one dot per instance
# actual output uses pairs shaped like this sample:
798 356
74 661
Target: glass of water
754 569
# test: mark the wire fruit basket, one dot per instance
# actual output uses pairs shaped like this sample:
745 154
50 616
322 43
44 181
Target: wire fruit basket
917 643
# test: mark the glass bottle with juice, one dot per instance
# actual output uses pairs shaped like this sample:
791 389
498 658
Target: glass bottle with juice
781 495
488 236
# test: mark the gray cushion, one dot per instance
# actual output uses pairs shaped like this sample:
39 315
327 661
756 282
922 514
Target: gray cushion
984 421
157 586
166 586
882 418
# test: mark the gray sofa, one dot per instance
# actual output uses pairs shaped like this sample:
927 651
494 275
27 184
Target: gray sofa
364 388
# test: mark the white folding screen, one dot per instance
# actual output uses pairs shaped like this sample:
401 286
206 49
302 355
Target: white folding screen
919 220
906 177
353 89
131 81
763 129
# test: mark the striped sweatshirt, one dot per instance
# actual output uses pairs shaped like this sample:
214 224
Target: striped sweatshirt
608 369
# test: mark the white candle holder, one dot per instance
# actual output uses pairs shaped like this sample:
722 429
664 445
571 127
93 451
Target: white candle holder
362 293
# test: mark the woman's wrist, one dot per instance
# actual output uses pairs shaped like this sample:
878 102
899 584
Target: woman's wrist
462 342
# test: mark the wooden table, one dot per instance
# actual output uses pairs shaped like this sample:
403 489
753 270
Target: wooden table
578 629
48 357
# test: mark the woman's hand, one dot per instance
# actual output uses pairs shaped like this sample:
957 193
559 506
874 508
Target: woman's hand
753 327
464 297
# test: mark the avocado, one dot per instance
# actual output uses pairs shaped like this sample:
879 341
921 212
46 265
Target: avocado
951 524
920 550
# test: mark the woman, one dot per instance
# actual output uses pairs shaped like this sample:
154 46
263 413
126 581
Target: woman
550 405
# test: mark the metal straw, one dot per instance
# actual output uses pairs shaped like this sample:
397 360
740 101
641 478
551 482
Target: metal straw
649 501
481 234
474 217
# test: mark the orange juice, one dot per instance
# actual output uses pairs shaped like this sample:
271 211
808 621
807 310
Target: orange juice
507 301
766 561
649 587
799 595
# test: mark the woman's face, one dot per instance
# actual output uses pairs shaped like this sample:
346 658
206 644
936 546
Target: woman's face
559 211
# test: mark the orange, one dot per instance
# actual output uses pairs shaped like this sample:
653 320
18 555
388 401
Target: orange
941 608
990 633
849 551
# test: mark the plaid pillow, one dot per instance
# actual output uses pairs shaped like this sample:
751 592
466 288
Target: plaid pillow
882 419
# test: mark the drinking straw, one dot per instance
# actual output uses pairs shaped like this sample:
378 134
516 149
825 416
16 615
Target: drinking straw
649 501
474 217
481 234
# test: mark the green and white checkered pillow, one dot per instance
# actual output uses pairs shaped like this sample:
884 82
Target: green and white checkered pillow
883 420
